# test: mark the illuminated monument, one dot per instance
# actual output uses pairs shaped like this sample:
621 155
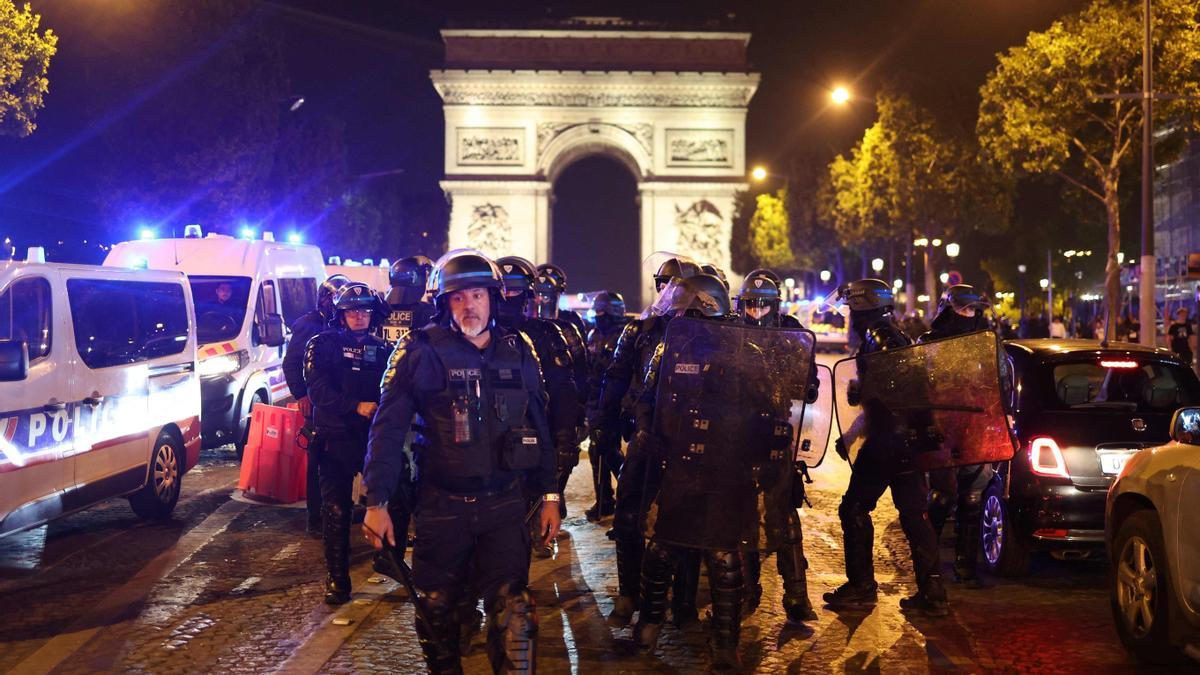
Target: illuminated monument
523 104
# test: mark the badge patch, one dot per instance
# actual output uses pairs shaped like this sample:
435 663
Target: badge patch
687 368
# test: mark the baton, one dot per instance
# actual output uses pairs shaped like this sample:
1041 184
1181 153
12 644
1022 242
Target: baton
400 571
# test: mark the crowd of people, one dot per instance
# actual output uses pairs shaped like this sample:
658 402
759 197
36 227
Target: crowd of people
464 398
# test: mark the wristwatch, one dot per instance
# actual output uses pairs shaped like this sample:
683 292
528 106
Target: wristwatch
552 497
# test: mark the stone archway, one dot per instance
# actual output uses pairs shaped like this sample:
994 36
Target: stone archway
670 105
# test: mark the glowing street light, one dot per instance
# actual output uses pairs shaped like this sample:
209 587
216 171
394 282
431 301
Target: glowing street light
826 276
944 277
759 174
952 250
839 95
1044 283
1022 269
877 264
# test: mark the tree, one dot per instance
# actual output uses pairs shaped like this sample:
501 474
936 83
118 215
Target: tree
770 240
24 59
1041 113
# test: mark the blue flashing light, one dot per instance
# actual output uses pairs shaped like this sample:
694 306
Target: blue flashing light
146 233
248 233
295 238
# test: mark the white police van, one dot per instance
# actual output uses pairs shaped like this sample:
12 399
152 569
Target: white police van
247 291
99 395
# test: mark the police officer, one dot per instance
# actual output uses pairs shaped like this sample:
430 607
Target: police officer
768 303
758 305
307 326
875 470
613 419
558 368
408 277
559 278
959 490
484 440
609 310
709 300
342 367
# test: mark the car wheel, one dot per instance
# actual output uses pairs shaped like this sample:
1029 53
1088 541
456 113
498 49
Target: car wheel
244 431
1005 553
158 496
1142 601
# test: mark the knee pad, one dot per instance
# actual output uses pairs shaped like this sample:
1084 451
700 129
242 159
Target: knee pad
853 515
625 523
512 630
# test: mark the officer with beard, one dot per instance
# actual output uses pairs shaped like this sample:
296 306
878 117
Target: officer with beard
609 310
707 298
558 368
306 327
483 443
559 278
408 277
960 490
876 469
613 419
342 367
758 305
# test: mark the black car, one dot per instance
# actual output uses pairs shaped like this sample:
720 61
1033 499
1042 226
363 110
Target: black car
1079 411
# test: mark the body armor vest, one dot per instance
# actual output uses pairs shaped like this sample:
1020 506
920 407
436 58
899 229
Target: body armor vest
361 360
466 423
652 332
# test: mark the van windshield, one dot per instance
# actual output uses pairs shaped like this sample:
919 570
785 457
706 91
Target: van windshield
1124 383
220 306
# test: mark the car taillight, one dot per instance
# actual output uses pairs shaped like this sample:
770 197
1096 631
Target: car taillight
1119 364
1045 459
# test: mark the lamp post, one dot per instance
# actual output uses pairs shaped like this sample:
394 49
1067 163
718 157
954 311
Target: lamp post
1149 280
1021 289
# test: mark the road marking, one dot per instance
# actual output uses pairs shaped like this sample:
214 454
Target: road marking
246 585
119 602
286 552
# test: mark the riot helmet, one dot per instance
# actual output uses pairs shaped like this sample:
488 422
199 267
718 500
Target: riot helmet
608 303
357 296
962 297
866 295
767 274
675 267
326 292
412 272
960 311
709 297
519 276
556 274
546 290
462 269
759 293
709 268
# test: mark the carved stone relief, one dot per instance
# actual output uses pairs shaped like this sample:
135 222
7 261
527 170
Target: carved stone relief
489 230
701 231
490 146
548 131
699 147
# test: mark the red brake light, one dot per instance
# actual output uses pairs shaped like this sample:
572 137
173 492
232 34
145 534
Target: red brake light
1119 364
1045 459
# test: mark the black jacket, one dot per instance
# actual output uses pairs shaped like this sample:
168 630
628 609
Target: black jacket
305 328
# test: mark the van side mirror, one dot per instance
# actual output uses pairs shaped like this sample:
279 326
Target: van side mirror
1185 426
270 330
14 360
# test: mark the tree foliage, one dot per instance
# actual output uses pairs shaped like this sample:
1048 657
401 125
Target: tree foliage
24 60
1041 113
770 232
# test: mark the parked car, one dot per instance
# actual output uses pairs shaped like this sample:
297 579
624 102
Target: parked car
1154 545
1080 411
247 292
99 394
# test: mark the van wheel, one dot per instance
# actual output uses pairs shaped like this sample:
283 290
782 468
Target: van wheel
1004 552
1142 601
244 432
157 498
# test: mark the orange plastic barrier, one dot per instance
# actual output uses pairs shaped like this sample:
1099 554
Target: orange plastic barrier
273 466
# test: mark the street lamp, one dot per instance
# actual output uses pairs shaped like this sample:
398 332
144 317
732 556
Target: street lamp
944 277
877 264
952 250
759 174
1044 283
839 95
1021 269
825 276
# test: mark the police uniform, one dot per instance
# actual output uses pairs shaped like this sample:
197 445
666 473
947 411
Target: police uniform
604 451
342 369
483 441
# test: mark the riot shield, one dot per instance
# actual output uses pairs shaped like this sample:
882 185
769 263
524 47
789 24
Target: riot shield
817 423
933 405
728 402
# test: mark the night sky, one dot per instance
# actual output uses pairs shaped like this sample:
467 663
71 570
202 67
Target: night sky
366 62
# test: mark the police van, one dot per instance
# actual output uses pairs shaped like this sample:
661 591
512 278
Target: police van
99 394
247 291
375 276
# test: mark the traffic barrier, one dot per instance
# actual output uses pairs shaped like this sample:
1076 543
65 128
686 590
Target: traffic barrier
273 465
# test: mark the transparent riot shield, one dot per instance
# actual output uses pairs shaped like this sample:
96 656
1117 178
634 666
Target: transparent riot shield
932 405
728 399
817 424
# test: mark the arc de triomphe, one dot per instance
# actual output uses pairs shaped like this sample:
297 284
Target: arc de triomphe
522 105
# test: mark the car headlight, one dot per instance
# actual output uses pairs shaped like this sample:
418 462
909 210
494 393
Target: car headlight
223 364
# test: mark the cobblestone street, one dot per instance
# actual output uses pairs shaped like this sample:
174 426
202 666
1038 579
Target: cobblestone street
229 586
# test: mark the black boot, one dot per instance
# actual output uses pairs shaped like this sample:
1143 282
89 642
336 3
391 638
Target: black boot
966 549
512 632
751 574
930 598
684 589
726 584
337 553
793 569
858 538
853 595
657 564
439 637
629 578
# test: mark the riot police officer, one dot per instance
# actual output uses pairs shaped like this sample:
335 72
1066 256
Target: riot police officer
614 419
758 305
959 490
876 469
408 277
307 326
558 277
609 310
558 367
484 440
342 367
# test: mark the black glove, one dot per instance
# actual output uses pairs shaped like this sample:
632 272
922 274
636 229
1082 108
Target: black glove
854 393
840 447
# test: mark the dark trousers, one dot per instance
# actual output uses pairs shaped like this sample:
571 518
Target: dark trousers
960 491
626 532
873 474
606 467
341 459
312 491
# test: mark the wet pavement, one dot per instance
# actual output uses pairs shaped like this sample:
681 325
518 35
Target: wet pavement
228 586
